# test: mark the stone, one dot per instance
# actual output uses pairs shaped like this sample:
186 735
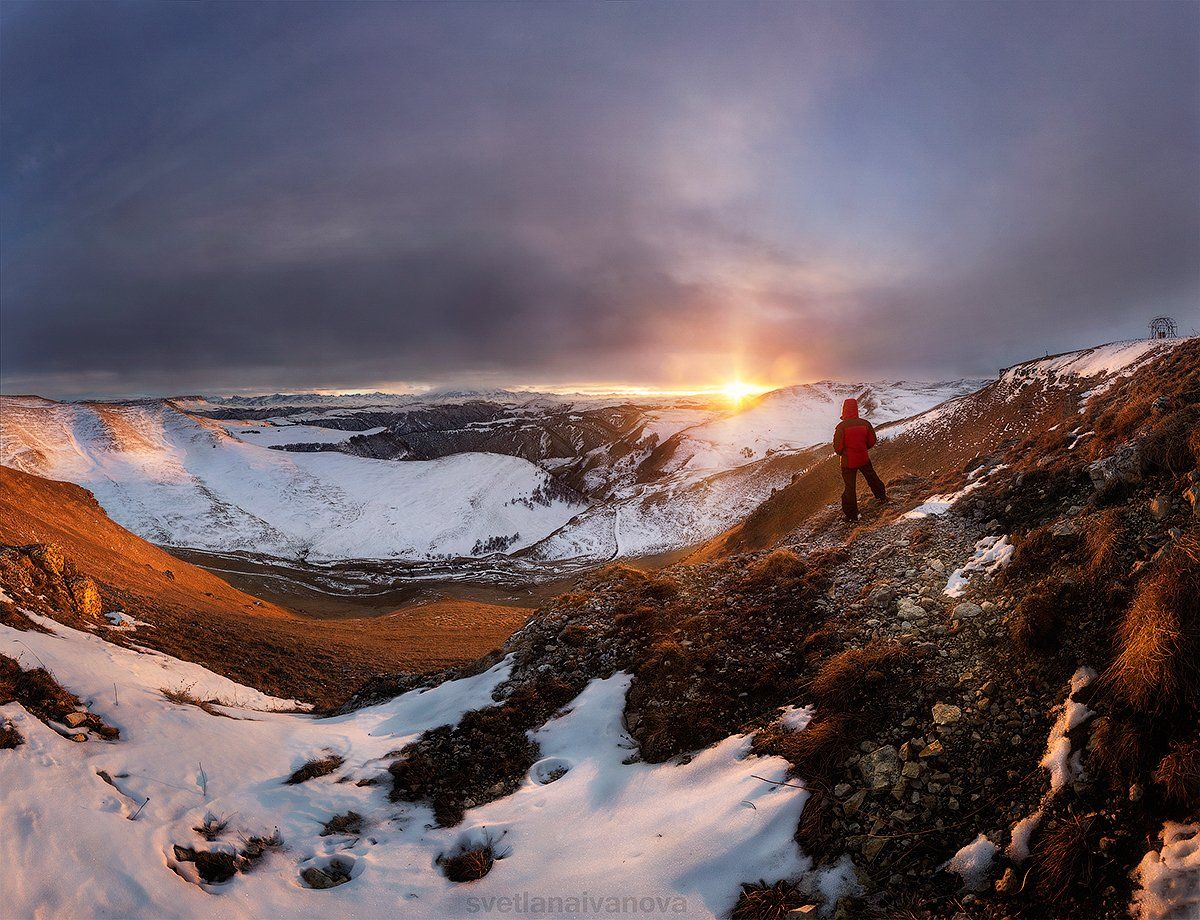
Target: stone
881 767
946 714
883 595
85 595
966 610
934 749
1124 466
937 565
78 737
911 770
841 790
872 847
1066 528
1007 883
75 719
1160 507
1192 494
315 878
855 802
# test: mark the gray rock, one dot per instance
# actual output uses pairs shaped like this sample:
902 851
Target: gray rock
1124 466
881 767
966 609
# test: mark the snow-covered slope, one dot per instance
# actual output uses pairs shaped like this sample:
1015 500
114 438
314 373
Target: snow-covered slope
797 417
179 480
585 823
707 477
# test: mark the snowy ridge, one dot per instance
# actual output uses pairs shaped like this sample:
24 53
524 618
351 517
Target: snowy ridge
178 480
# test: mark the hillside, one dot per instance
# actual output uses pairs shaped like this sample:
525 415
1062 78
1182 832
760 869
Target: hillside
181 480
60 554
980 702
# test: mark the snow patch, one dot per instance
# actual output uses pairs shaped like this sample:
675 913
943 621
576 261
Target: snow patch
1022 834
1064 764
991 553
796 718
1169 878
973 863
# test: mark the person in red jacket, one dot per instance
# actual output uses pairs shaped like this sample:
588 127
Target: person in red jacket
852 439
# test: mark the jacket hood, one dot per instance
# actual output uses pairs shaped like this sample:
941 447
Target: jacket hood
850 409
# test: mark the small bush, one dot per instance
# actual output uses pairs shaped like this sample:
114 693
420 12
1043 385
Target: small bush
469 865
321 766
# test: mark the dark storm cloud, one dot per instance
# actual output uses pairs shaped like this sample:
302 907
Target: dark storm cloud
277 196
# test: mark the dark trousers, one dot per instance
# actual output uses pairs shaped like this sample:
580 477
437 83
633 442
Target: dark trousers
850 493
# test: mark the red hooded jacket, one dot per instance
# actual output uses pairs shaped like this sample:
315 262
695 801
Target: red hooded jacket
853 437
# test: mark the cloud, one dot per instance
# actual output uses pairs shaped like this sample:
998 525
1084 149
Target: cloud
228 196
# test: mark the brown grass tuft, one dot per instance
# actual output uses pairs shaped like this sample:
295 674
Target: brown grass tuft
813 752
469 865
319 766
1168 444
348 824
1036 623
9 736
1117 749
1066 857
819 827
850 679
1157 667
782 568
1178 775
1036 552
761 901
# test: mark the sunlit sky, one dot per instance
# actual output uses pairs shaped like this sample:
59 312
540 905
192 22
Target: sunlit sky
245 197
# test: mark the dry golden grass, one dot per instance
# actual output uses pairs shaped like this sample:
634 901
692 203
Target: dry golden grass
1178 775
1065 857
761 901
1103 542
849 679
1117 750
1157 666
318 766
469 865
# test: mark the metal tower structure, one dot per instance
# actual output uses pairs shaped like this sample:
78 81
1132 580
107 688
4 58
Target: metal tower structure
1163 327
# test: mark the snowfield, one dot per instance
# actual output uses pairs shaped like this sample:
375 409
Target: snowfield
683 835
178 480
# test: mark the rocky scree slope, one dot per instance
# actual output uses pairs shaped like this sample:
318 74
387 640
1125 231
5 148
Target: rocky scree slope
1016 747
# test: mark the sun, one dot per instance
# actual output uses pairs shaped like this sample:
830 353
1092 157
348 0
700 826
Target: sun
737 390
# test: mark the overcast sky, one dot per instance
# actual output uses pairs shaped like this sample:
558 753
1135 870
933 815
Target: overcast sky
269 196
